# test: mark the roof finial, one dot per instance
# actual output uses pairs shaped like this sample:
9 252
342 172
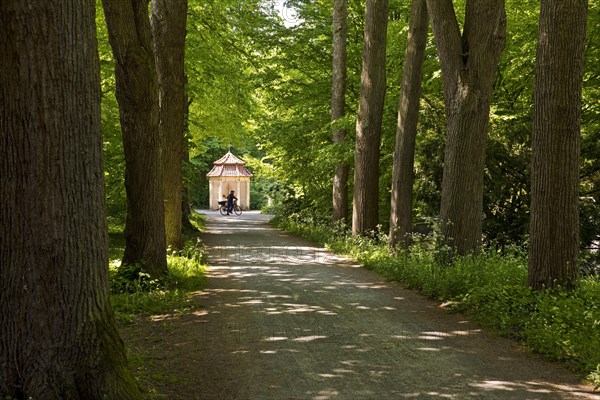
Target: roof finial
230 148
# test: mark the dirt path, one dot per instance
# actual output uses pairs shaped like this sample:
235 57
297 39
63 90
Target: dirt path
281 319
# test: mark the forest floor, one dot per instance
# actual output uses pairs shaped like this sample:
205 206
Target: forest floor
279 318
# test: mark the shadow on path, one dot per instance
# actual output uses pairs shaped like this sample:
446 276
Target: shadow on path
283 319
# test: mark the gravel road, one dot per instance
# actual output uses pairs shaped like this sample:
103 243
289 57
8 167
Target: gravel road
283 319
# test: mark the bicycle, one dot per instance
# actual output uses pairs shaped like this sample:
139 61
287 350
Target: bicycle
235 209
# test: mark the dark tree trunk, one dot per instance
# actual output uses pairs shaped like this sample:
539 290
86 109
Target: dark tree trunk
169 19
406 133
57 334
469 62
370 114
554 229
338 103
130 37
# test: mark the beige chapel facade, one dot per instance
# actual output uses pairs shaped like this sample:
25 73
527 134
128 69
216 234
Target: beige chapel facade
229 173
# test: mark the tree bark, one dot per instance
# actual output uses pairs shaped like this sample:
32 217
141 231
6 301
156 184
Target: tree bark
338 103
406 133
469 62
57 333
130 37
370 115
554 228
169 19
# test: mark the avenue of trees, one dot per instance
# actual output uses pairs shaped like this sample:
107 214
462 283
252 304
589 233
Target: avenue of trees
479 119
464 144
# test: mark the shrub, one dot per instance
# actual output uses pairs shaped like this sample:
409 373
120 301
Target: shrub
134 292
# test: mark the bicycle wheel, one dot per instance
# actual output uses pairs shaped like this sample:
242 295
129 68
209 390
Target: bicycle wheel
237 210
223 210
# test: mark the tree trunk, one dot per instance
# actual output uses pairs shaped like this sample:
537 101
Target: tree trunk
130 37
554 228
169 19
406 133
370 114
469 62
338 103
57 334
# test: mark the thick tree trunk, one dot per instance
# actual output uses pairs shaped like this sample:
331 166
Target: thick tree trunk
554 229
338 103
130 37
464 159
469 62
57 334
169 19
406 133
370 114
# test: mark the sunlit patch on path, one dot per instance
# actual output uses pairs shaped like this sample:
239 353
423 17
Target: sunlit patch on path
282 319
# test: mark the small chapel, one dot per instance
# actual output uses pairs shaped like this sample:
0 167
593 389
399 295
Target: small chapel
227 174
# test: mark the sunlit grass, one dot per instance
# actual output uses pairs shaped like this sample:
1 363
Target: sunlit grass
134 293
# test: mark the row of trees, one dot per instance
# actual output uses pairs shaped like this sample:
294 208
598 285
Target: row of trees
150 89
58 334
454 182
469 60
469 87
58 337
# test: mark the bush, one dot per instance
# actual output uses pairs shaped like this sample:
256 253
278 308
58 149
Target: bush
566 325
134 292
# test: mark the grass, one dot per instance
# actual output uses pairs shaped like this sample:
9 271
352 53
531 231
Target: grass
492 288
134 293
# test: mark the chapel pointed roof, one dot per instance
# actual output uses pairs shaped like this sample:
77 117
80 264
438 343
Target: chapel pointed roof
229 165
229 158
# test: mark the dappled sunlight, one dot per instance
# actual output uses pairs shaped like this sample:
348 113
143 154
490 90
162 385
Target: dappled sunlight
309 338
546 388
268 253
430 348
286 320
162 317
274 338
255 301
326 394
232 230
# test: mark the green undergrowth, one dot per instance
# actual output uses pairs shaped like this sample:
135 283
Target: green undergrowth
135 293
492 288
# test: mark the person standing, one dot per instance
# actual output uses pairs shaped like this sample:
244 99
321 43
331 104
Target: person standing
230 199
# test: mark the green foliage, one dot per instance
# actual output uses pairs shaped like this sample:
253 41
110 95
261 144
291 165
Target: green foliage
492 288
114 156
218 60
133 292
198 221
594 377
566 326
265 88
131 278
293 119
